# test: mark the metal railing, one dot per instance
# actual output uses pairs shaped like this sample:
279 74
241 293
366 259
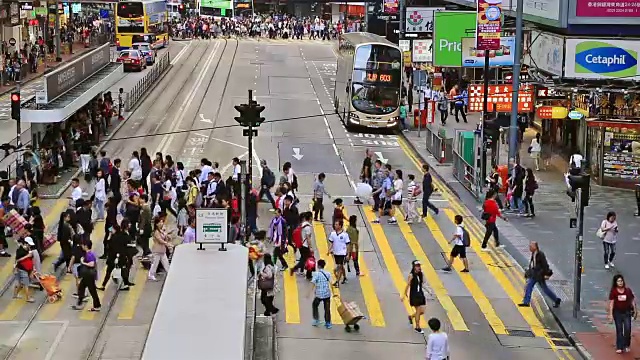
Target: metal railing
144 84
439 146
466 174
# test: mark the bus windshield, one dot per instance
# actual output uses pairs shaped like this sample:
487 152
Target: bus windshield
130 18
376 79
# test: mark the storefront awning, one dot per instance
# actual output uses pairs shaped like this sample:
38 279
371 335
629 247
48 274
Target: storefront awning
74 99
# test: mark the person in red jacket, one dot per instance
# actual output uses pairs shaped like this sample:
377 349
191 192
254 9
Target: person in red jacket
490 212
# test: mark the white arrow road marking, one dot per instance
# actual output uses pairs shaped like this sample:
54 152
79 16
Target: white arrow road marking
205 120
380 157
296 154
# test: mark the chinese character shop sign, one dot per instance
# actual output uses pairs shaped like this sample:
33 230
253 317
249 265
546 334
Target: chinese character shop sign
597 8
500 97
488 24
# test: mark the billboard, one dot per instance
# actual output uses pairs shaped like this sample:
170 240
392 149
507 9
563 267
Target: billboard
545 52
474 57
500 97
423 50
590 8
450 27
602 59
390 6
488 24
420 19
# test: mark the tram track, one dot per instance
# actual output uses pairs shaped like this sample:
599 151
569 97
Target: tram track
95 350
165 86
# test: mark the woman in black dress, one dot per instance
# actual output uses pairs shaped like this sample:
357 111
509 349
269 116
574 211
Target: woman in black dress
417 299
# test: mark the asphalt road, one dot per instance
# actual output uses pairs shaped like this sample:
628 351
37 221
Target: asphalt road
294 82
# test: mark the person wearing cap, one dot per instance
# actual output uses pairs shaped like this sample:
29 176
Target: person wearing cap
23 269
88 275
37 262
417 300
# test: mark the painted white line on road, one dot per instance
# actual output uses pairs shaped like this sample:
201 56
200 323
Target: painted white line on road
256 158
631 253
56 342
335 149
165 143
177 58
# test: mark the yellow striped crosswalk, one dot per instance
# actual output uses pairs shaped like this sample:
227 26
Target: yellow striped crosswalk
323 250
392 243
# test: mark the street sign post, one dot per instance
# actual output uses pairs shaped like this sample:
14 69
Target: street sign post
212 227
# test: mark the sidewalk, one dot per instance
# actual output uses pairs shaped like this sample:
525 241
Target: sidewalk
551 229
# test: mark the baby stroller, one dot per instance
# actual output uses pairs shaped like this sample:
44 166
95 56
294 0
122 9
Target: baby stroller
50 284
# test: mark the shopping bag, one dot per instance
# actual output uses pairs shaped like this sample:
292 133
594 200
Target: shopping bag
49 240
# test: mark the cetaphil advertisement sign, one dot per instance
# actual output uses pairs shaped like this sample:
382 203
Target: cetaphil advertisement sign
449 29
602 59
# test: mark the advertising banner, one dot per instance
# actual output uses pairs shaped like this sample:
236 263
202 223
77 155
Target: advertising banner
504 56
390 6
545 52
488 24
423 50
420 19
449 29
405 47
592 8
602 59
500 97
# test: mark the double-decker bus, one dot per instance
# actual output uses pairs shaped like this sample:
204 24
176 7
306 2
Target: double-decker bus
142 21
368 81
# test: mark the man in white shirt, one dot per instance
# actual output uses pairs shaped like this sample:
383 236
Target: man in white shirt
206 169
338 241
236 169
459 246
76 193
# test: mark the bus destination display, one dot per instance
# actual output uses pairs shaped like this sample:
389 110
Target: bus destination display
383 78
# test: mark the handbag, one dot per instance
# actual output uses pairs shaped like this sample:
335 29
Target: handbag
266 284
600 233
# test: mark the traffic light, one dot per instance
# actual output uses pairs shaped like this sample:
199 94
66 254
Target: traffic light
249 114
582 182
15 106
181 8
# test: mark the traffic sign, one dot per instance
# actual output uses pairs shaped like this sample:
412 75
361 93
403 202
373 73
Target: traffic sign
212 226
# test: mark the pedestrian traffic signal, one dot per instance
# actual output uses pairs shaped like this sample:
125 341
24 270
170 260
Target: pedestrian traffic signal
249 114
15 106
181 8
582 182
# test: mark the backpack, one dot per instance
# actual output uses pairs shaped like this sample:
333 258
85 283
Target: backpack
466 238
297 236
338 214
294 184
270 178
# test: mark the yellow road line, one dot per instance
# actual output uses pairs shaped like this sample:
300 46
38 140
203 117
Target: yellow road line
376 318
291 295
456 319
85 314
16 305
323 249
127 311
390 260
476 292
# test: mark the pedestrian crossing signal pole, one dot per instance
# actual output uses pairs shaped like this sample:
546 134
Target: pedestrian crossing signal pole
249 118
579 191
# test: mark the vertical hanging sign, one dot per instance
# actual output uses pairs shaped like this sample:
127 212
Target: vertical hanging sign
488 24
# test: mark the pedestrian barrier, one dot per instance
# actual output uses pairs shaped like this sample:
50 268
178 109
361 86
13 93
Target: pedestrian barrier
144 84
439 146
465 173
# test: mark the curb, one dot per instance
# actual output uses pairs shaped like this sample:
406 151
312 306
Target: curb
103 143
572 340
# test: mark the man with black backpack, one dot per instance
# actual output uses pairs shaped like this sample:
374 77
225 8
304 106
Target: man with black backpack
267 181
461 241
